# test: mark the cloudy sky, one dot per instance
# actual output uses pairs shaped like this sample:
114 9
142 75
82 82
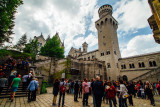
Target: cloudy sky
74 20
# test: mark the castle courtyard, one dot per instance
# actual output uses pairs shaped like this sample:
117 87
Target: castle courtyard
45 100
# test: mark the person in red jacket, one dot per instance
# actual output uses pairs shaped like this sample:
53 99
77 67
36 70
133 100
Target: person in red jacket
111 94
158 87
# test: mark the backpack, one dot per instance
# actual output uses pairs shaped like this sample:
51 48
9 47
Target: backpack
63 88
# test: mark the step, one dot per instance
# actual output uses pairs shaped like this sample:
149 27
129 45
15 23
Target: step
8 96
16 93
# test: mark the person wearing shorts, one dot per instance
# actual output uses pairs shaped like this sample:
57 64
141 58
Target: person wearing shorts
14 86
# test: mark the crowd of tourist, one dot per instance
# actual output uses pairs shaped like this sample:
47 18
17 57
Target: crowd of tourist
11 64
9 76
110 92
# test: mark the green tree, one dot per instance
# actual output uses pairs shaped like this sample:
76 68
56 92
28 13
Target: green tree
8 8
21 43
31 48
52 48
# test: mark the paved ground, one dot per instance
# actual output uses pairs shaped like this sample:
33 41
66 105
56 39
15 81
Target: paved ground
45 100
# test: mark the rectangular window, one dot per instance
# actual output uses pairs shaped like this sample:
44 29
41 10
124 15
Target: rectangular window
102 54
108 52
108 65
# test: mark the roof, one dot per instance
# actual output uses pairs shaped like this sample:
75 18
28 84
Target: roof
158 52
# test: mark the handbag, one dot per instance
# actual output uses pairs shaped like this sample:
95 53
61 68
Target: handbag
125 95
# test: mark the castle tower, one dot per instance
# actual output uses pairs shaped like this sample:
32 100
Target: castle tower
107 40
85 46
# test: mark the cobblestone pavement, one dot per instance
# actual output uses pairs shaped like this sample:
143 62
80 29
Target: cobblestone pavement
45 100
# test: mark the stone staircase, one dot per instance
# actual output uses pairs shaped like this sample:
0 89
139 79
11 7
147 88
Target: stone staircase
148 74
19 93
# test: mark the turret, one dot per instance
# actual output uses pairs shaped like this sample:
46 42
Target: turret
85 46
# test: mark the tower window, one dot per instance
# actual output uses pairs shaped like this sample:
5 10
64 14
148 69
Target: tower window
104 43
102 54
103 36
115 52
108 52
108 65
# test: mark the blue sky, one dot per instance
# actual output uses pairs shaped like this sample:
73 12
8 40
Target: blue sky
74 21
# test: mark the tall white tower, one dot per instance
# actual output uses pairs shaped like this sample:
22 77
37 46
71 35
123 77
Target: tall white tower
107 40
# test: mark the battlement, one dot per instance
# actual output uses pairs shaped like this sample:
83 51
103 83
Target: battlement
104 10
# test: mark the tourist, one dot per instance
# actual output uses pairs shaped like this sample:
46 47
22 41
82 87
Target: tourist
155 89
14 86
98 91
24 82
122 99
32 90
76 90
111 94
80 87
149 93
3 82
10 79
34 95
62 92
92 89
72 87
55 91
104 95
85 87
130 88
118 92
158 87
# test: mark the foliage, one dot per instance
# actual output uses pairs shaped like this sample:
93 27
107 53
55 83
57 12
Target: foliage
14 54
43 88
22 41
31 48
59 74
52 48
8 9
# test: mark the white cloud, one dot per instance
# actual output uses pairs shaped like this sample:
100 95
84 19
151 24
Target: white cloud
132 14
90 39
139 45
68 17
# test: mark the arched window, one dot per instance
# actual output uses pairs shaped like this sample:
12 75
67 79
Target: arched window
106 20
154 63
113 23
101 22
150 64
143 65
97 25
110 20
139 65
